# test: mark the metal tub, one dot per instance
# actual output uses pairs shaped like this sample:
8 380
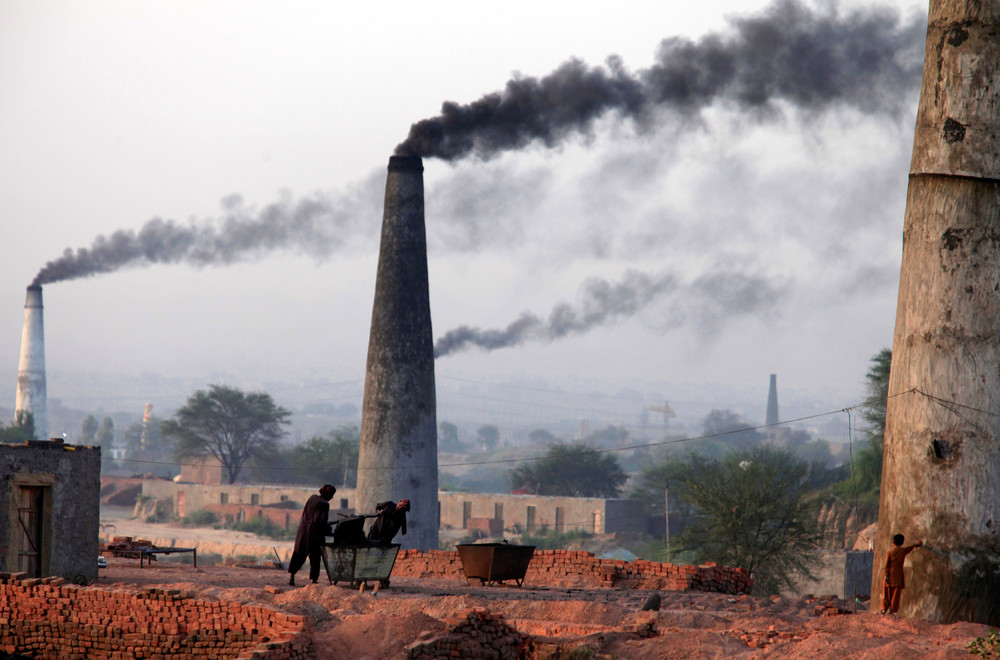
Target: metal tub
495 562
359 563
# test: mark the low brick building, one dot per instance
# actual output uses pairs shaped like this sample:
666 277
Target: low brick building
50 509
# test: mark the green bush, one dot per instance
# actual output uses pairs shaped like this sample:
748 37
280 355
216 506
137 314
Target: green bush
262 526
986 647
200 518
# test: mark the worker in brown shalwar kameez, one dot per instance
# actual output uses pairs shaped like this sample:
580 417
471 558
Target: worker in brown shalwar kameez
313 528
894 580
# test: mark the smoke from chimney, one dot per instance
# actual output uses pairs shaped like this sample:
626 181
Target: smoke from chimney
316 226
706 301
866 59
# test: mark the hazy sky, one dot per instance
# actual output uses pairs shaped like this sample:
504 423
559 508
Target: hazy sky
718 234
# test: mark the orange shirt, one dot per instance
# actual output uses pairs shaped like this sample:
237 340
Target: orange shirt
894 565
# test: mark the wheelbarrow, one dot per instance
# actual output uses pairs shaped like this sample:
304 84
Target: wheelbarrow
352 558
495 562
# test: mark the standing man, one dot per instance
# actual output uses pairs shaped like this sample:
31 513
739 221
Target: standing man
313 528
894 580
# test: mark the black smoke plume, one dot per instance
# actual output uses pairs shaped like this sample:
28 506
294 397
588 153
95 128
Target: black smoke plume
316 226
706 301
868 59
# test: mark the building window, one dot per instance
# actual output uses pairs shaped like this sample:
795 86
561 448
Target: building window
254 498
466 514
498 510
223 498
560 520
529 519
343 502
284 498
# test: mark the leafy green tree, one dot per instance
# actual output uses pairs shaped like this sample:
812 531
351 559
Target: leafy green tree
755 510
448 438
608 437
232 426
105 435
542 437
331 459
574 470
19 430
488 437
863 474
88 430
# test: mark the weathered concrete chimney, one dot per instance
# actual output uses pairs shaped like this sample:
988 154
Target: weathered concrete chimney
398 457
31 396
941 468
772 402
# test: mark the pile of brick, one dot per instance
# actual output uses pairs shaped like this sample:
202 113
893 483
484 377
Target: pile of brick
125 546
476 634
557 567
48 618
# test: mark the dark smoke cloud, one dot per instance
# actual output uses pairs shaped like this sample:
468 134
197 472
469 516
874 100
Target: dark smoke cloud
708 300
316 226
868 59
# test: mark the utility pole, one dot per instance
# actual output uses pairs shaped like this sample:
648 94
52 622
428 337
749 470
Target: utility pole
666 515
941 466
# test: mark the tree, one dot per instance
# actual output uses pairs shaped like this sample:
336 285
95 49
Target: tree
448 438
488 437
331 459
232 426
573 470
862 483
20 430
755 511
105 436
88 430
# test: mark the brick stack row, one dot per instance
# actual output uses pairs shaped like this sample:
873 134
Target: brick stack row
561 567
48 618
476 634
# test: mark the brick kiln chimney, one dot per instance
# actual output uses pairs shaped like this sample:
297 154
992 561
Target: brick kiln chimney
398 456
31 395
941 469
771 416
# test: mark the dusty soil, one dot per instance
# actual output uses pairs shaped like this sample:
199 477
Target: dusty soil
359 625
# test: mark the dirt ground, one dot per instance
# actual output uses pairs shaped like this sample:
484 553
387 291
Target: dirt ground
349 624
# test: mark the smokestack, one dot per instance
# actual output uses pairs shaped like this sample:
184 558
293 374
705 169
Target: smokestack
772 402
31 395
941 462
398 456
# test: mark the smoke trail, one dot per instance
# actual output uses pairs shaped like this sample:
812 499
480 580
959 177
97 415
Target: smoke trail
316 226
711 297
868 59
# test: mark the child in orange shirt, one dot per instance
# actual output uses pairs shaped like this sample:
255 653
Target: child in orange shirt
894 580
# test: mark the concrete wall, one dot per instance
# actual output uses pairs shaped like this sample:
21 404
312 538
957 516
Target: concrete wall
69 477
187 498
562 514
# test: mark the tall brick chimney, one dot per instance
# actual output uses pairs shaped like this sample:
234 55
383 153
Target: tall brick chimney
31 396
398 457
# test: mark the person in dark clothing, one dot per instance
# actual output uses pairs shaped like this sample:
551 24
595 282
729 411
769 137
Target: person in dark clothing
391 518
313 528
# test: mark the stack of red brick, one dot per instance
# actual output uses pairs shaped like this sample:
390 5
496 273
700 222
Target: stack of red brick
558 567
47 618
476 634
126 546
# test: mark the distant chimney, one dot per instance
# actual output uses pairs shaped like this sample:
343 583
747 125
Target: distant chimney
398 455
31 396
772 402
